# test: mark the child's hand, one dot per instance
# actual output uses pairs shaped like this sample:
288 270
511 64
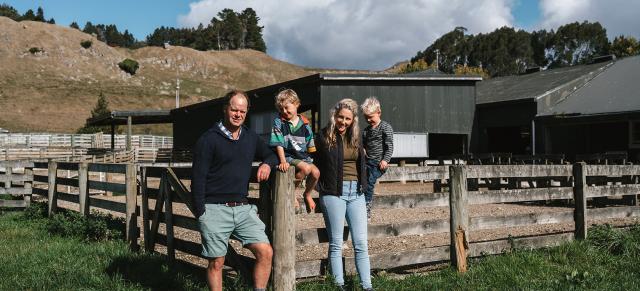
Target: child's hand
383 165
283 166
311 205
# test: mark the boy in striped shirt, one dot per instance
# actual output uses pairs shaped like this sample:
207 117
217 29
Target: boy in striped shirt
378 144
292 138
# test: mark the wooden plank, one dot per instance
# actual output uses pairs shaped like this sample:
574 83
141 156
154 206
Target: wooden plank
319 235
612 190
6 178
131 220
155 222
83 191
492 222
613 212
394 174
284 228
53 185
422 200
168 220
436 254
517 171
67 166
182 172
580 198
108 186
612 170
16 191
108 168
180 190
519 195
459 225
13 203
16 164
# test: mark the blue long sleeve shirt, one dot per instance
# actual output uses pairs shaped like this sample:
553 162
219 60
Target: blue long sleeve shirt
222 166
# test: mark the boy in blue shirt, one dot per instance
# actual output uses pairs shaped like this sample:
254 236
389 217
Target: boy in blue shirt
292 138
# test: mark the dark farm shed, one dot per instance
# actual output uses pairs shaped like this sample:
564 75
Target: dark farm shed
432 114
507 107
602 116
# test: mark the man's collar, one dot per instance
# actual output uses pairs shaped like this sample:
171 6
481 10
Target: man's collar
227 132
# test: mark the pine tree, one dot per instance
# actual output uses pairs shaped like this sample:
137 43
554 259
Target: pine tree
74 25
9 11
101 109
253 32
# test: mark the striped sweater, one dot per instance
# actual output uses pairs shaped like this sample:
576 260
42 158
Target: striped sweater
378 142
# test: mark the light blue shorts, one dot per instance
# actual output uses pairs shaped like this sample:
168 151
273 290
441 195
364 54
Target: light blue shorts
219 222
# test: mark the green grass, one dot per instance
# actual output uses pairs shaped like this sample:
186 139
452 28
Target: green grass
36 256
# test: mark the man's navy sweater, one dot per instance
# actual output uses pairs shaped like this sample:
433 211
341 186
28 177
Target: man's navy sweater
222 167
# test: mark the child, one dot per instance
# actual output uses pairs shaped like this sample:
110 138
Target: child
292 137
377 139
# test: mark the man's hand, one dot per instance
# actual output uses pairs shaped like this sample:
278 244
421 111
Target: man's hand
263 172
284 167
383 165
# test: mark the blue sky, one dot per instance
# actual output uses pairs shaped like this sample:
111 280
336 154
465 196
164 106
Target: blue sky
350 34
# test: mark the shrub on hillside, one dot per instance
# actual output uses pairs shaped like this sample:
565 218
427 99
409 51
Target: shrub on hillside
35 50
128 65
86 44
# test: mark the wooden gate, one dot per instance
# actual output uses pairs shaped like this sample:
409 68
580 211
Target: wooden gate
17 177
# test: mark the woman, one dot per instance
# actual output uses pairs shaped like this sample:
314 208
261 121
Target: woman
341 161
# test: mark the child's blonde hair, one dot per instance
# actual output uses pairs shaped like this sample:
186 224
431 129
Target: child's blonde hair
370 105
287 96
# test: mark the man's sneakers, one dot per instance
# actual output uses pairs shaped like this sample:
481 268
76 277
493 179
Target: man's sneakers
368 210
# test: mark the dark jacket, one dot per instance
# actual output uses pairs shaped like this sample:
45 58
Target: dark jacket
222 167
330 161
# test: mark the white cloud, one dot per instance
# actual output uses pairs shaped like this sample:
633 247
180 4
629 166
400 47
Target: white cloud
357 34
617 16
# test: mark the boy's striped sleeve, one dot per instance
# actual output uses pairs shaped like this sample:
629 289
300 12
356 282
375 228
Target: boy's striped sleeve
277 138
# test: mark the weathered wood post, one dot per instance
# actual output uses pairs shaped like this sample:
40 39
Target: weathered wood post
131 205
53 187
580 199
168 220
284 232
83 189
459 226
145 207
28 185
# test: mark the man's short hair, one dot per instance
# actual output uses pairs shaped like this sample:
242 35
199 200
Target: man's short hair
370 105
287 96
227 97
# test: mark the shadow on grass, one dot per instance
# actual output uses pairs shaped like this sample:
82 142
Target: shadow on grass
155 273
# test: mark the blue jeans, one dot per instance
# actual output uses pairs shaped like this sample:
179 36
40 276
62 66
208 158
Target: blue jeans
352 206
373 173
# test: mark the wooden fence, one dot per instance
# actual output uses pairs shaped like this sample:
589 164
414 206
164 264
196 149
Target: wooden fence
17 177
99 140
137 154
464 188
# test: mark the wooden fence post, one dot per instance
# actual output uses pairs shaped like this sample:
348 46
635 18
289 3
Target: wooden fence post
284 232
131 205
28 184
580 199
53 187
83 189
168 220
459 226
145 207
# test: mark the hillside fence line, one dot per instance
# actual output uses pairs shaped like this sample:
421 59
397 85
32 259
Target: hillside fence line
463 185
97 140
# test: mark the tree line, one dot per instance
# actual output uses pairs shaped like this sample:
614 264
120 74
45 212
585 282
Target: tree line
507 51
8 11
229 30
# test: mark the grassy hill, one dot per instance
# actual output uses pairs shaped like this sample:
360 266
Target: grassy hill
54 90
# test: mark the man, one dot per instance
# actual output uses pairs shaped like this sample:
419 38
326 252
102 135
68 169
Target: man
222 161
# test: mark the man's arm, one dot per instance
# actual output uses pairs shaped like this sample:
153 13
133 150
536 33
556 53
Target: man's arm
268 158
202 157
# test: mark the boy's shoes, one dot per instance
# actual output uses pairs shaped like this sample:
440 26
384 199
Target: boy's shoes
369 211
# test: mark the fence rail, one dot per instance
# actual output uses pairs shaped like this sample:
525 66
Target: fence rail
467 185
99 140
17 177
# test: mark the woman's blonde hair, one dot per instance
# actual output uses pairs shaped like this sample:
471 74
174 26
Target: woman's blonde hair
287 96
352 135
